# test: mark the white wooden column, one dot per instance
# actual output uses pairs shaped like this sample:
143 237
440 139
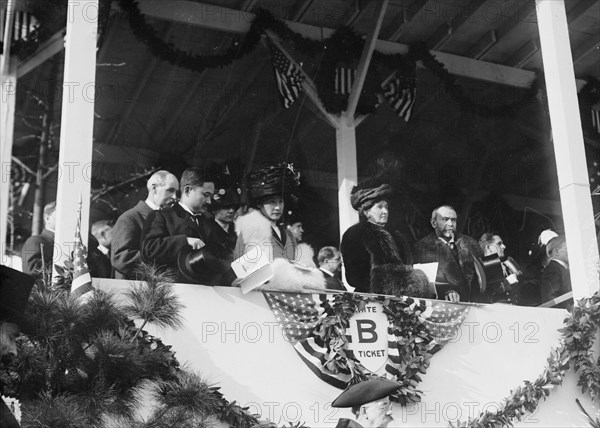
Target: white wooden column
345 136
7 124
77 125
568 147
8 96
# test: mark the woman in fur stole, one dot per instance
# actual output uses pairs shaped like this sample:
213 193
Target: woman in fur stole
260 233
377 259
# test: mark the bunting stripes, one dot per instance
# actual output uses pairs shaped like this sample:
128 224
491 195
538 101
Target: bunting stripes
299 314
288 76
344 79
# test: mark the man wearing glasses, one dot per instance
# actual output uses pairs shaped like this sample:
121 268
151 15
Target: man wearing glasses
369 402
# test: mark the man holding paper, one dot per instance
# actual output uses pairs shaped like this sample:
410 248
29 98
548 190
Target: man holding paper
456 278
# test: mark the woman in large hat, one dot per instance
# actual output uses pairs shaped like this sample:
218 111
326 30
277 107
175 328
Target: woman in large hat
378 259
263 238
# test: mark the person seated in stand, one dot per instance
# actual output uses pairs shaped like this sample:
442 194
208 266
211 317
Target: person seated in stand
38 250
502 272
15 288
378 258
369 402
263 240
98 258
127 232
182 239
330 263
556 280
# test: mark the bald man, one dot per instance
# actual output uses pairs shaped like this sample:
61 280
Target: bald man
125 248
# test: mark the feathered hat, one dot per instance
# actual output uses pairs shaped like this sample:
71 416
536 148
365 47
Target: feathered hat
273 180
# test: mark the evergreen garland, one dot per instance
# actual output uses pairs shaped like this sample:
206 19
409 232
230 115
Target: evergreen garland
577 339
87 361
343 47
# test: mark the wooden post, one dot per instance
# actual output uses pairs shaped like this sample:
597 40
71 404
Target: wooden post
77 125
8 95
347 173
568 147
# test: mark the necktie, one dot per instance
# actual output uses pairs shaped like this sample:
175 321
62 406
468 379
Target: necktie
196 218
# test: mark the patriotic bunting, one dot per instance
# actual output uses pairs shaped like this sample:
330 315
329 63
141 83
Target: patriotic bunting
288 76
82 281
401 94
302 315
344 79
596 118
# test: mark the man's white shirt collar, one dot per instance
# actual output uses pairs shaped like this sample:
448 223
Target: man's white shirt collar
185 207
326 271
560 262
152 205
103 249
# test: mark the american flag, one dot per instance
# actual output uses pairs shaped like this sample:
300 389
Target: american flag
344 79
594 171
82 281
401 94
288 76
596 117
299 314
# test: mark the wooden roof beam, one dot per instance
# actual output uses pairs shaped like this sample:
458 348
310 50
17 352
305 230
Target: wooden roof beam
584 7
483 45
445 32
395 31
223 19
591 45
365 60
299 11
524 54
45 51
525 13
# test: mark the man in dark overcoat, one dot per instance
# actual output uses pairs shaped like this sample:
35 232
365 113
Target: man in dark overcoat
182 238
127 231
38 250
456 278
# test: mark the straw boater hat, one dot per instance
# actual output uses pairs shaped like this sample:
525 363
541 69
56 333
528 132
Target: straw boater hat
365 392
15 288
280 179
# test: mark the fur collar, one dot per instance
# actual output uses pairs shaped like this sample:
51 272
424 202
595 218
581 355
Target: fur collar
253 227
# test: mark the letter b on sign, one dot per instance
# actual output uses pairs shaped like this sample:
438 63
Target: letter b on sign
369 340
366 331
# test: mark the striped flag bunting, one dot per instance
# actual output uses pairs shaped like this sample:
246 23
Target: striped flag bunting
596 119
82 281
344 78
299 314
401 94
288 76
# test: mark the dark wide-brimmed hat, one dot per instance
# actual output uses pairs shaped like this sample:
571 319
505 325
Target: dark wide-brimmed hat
225 198
359 196
273 180
15 288
365 392
197 265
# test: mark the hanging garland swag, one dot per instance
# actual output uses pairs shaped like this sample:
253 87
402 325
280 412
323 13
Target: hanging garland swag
344 46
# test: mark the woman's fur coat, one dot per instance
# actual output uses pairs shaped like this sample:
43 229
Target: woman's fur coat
378 261
293 267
